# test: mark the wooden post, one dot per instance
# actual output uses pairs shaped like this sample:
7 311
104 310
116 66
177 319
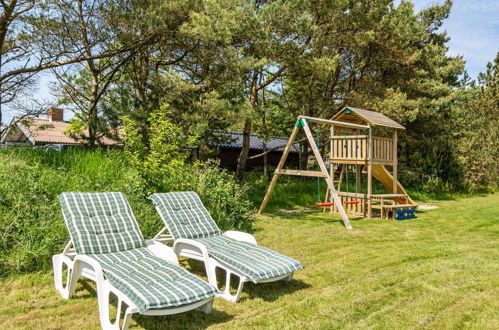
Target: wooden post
357 178
395 161
331 168
278 169
369 173
326 199
329 182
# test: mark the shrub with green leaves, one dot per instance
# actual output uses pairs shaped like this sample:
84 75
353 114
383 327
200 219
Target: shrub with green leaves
31 224
436 186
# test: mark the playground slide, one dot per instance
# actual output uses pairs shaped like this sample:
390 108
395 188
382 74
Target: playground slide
382 175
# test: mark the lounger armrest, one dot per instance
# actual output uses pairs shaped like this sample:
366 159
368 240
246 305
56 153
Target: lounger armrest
241 236
162 251
189 247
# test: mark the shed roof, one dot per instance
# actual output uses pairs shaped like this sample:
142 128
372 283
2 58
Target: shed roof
357 116
45 131
234 140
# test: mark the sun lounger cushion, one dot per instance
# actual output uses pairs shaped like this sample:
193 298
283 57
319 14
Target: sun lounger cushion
185 215
258 263
151 282
100 222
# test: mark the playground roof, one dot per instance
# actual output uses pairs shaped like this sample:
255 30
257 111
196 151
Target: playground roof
361 116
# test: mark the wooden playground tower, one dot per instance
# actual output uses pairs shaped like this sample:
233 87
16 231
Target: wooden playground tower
353 144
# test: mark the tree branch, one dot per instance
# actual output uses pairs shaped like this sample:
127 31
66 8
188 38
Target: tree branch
56 64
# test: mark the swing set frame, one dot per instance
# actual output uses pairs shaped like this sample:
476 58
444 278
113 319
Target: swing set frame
303 123
358 150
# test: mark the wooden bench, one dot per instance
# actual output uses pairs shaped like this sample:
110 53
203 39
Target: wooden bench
410 209
388 200
399 206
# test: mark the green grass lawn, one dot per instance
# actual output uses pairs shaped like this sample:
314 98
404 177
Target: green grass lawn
438 271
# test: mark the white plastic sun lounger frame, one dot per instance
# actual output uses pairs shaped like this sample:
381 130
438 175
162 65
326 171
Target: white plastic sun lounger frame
193 249
86 266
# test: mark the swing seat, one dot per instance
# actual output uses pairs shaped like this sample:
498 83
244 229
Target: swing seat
351 202
324 204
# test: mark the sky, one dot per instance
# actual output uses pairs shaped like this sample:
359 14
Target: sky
473 28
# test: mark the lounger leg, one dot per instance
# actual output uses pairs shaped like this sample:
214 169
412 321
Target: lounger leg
126 319
239 289
57 264
227 295
212 279
103 292
207 307
72 274
103 299
289 278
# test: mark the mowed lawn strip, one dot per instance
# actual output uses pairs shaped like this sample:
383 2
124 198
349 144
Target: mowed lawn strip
437 271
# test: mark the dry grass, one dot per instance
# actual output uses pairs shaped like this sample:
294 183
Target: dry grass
438 271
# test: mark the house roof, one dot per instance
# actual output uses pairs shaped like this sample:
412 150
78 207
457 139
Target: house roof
361 116
44 131
234 140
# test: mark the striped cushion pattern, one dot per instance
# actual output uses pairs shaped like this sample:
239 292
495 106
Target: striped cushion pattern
185 215
100 222
256 262
151 282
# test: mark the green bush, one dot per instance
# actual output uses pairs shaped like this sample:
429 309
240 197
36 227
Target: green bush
436 186
31 224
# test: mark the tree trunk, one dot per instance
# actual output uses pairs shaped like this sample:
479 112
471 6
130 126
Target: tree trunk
255 87
243 156
265 161
92 126
92 110
304 156
1 93
265 139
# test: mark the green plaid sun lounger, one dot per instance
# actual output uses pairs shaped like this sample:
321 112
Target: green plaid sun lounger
197 236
